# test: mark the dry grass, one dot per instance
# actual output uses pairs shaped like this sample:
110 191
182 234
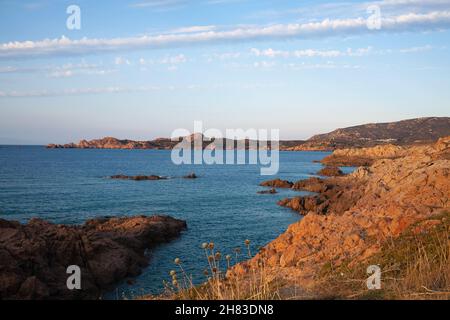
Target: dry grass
220 282
414 266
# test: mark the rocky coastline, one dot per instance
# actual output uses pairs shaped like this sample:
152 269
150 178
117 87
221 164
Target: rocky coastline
351 218
401 133
34 257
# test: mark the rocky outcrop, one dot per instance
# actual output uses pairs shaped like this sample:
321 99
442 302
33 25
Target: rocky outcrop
406 132
363 210
193 141
363 156
270 191
303 205
34 257
333 195
312 185
114 143
277 183
330 171
138 178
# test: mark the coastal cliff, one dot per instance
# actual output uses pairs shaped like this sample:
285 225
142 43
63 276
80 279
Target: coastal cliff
352 218
34 257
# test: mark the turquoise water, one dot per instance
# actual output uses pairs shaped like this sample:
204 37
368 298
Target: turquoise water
72 185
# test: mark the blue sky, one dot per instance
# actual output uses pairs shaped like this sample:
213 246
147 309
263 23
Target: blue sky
141 69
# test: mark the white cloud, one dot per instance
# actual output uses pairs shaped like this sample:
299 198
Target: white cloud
61 74
159 5
210 57
125 90
172 61
264 64
9 69
417 49
60 71
192 29
177 59
118 61
312 66
162 5
64 46
309 53
422 4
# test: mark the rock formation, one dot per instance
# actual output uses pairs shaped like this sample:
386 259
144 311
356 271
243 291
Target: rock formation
363 156
277 183
354 215
194 141
270 191
138 178
406 132
330 171
114 143
34 257
191 176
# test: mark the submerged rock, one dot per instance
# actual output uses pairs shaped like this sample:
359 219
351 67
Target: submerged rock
191 176
138 178
34 257
271 191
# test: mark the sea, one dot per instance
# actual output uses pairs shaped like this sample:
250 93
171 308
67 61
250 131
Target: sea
69 186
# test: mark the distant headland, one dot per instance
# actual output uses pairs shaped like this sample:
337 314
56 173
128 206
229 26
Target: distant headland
405 132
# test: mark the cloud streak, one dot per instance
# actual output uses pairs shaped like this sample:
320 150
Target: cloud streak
326 28
61 71
125 90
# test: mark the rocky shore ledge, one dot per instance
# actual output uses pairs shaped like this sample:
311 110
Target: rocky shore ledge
353 217
34 257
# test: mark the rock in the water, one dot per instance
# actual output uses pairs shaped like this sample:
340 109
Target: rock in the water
331 171
277 183
191 176
138 178
271 191
34 257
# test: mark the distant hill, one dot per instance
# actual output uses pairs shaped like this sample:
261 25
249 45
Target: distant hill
413 131
405 132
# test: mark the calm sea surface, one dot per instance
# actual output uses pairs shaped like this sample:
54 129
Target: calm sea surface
72 185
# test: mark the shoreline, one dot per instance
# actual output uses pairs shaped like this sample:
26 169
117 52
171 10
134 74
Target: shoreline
351 215
393 213
35 256
347 203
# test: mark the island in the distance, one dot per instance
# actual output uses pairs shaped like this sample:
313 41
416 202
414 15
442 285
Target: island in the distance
406 132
